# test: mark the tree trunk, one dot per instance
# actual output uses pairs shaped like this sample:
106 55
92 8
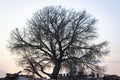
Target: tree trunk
56 71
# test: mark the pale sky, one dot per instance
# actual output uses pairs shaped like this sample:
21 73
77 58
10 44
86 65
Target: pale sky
14 13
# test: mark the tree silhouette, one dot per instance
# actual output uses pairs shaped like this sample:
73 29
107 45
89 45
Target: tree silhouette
56 37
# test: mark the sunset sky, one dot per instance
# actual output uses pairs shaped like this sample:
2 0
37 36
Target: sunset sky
14 13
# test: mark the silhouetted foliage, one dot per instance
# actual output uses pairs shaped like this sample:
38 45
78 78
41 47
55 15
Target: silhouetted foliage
56 37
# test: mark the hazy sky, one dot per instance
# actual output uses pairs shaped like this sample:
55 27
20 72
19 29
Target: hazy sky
14 13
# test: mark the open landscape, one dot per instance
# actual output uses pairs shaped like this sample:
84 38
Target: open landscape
59 40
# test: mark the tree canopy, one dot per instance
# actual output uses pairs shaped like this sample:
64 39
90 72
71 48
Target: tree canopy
57 38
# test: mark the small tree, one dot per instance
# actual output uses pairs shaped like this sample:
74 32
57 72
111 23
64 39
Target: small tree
56 37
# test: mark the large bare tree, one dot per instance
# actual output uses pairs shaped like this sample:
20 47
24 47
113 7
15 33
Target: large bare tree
56 37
